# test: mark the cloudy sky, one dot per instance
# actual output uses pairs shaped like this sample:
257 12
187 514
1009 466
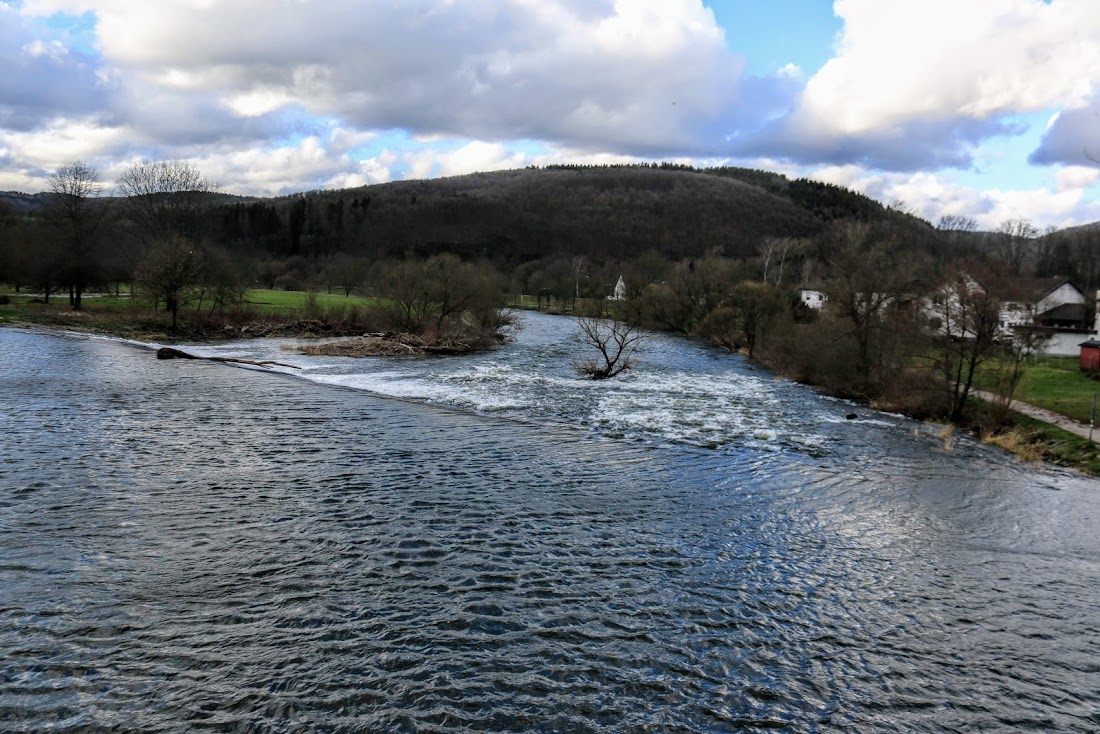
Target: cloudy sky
984 108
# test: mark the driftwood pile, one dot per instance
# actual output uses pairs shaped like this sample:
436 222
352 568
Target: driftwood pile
385 345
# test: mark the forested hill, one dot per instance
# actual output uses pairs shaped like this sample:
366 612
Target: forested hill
602 212
614 212
20 203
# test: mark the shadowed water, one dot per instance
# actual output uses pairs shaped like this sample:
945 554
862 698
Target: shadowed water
189 546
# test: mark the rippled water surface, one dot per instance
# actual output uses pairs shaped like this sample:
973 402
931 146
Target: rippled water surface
698 547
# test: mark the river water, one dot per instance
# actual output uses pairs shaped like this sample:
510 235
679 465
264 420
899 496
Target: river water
490 543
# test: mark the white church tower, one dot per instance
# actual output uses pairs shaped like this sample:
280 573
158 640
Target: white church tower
620 291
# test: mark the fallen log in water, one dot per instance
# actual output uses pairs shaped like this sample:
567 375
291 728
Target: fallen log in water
170 353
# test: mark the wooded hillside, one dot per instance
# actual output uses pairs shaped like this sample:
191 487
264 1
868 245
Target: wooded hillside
509 217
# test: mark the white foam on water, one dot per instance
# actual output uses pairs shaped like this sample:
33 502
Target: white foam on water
682 393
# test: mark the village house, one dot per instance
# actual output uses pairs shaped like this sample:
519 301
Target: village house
946 309
1046 302
813 299
1054 309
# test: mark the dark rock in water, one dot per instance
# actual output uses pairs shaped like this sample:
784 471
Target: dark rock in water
851 416
169 353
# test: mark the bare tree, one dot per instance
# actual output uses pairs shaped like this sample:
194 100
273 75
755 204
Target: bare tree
779 249
223 282
616 342
79 215
172 270
1016 242
164 198
435 294
405 288
1008 368
348 272
453 285
871 282
745 317
578 266
957 223
968 317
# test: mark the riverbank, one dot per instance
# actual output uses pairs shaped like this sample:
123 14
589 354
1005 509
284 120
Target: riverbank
1033 436
1037 435
358 329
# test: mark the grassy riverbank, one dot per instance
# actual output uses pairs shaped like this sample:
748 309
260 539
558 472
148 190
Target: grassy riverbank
1035 440
1056 384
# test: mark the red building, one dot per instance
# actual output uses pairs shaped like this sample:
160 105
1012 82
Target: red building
1090 355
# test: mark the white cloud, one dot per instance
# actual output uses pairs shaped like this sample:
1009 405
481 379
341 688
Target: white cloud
1072 178
848 176
919 85
931 195
372 171
942 59
55 50
790 71
257 102
344 140
308 164
641 74
63 140
470 158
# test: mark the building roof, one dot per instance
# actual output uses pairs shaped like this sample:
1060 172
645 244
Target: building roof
1075 312
1033 290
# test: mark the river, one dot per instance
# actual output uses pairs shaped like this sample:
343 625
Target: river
490 543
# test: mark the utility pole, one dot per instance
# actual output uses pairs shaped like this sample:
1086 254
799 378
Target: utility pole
1092 417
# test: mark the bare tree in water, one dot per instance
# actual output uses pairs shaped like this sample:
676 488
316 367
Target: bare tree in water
616 342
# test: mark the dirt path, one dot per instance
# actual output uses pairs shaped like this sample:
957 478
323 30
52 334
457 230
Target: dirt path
1055 419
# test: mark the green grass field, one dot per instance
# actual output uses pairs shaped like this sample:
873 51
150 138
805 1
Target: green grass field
123 315
285 303
266 301
1056 383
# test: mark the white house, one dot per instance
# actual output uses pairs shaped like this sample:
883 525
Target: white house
1047 302
813 299
1052 307
950 309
